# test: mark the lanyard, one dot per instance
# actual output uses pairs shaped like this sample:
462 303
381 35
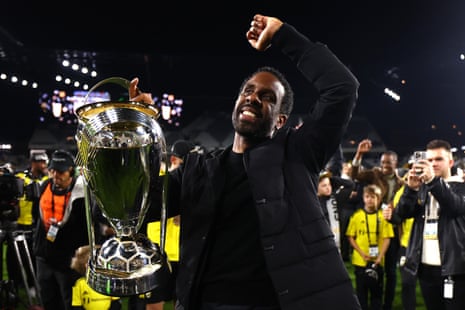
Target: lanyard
368 227
65 203
432 208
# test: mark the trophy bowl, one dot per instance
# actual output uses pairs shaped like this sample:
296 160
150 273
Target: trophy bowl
120 150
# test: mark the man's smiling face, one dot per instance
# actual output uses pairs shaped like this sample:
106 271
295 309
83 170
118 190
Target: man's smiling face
257 108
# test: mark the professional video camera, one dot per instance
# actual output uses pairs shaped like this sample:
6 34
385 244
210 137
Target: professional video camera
11 188
18 257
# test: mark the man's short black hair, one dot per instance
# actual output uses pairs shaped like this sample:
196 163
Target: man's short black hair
287 103
438 144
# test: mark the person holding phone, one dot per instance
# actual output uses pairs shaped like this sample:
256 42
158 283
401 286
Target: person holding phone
436 202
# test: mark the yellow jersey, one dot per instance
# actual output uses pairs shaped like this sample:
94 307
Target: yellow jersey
406 225
25 206
84 296
368 233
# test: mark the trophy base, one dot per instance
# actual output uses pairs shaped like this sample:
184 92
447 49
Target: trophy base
111 284
154 276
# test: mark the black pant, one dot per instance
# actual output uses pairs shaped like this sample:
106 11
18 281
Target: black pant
409 284
55 285
344 216
218 306
432 289
370 297
390 270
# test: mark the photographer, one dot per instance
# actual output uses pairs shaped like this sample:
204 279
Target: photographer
60 230
11 188
32 178
434 198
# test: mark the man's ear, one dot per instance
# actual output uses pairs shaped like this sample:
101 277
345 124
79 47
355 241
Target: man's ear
281 121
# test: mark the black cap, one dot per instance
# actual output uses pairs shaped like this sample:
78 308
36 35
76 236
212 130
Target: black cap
181 148
61 161
39 156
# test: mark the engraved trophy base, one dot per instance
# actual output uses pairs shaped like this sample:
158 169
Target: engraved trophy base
146 269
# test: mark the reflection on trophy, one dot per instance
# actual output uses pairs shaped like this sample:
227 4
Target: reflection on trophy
120 150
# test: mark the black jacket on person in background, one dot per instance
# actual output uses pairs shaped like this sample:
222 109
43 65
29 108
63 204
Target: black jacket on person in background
302 259
451 224
342 188
71 235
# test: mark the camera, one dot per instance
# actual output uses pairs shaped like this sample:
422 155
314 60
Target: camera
11 188
417 156
372 275
371 271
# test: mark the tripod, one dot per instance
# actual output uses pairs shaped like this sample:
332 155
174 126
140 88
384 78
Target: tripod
8 289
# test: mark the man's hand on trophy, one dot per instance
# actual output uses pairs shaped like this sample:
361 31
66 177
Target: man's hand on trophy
135 94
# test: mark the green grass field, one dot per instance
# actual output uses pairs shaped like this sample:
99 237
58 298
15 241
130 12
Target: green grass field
397 305
169 305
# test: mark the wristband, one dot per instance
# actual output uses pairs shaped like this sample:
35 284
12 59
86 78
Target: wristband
356 162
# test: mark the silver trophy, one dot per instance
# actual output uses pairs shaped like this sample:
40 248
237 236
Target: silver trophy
121 148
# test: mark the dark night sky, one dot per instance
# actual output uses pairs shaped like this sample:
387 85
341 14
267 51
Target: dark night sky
203 56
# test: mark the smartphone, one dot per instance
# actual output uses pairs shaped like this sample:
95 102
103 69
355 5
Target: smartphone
417 156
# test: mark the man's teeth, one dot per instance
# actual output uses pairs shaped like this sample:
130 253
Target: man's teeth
248 113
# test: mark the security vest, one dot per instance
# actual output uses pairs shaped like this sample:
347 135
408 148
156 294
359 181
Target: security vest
53 206
25 205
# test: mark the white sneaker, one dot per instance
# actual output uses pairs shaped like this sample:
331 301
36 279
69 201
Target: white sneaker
32 292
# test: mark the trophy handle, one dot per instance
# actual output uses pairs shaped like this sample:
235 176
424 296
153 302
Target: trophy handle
114 80
125 83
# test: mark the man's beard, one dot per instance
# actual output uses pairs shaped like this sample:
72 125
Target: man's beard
256 130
